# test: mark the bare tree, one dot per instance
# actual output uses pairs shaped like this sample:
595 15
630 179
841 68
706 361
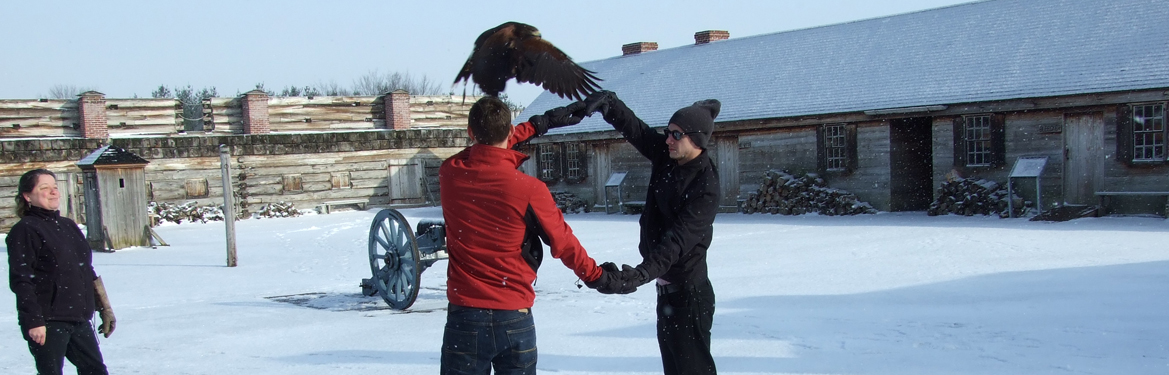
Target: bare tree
67 91
332 88
374 83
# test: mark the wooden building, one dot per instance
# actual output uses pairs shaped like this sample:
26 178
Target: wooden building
115 199
886 108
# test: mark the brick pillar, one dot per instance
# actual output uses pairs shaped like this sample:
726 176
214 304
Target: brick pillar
639 47
255 111
398 110
703 37
92 106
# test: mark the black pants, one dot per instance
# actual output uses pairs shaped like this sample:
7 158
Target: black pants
685 315
73 340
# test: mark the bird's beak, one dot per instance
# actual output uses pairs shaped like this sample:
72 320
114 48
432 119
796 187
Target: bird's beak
537 34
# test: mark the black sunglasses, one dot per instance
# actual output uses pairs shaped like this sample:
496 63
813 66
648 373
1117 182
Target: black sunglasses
677 135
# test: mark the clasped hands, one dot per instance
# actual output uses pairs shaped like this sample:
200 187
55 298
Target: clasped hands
618 281
573 113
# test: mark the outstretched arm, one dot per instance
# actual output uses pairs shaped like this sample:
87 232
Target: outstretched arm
647 141
539 124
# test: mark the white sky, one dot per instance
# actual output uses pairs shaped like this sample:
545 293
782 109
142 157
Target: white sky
123 48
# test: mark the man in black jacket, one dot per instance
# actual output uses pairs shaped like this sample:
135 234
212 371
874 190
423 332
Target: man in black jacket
676 226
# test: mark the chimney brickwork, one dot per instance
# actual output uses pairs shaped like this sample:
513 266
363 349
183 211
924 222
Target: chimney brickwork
398 110
92 106
255 108
639 47
704 37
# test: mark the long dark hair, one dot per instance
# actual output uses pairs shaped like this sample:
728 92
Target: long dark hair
28 182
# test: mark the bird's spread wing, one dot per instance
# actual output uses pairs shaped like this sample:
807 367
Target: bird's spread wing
483 38
543 64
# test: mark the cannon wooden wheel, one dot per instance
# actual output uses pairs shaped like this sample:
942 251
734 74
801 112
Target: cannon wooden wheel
393 258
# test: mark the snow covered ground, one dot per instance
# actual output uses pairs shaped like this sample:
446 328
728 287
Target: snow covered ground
871 294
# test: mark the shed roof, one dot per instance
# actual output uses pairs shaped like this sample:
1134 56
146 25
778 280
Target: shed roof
983 51
109 155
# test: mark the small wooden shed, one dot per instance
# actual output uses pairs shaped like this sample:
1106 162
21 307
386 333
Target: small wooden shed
115 199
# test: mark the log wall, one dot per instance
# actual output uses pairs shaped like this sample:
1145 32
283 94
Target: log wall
303 169
34 118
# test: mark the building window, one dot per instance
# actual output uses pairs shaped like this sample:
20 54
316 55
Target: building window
548 162
1148 132
575 162
980 141
977 139
836 149
341 180
196 188
292 183
835 153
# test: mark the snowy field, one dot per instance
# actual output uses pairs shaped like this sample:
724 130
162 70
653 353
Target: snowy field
872 294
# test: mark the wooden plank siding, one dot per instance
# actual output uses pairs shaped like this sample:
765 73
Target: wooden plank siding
227 116
123 207
440 111
61 118
20 118
325 113
126 117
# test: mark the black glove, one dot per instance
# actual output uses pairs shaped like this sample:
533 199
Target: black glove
634 276
598 102
611 281
614 281
557 117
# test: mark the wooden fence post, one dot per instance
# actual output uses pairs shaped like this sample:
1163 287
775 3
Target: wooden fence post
228 203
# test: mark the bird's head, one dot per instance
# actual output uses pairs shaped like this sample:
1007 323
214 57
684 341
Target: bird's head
523 30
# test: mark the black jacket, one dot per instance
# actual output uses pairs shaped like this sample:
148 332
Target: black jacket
50 268
677 222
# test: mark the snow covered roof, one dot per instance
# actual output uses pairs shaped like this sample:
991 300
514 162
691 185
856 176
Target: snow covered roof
108 155
992 50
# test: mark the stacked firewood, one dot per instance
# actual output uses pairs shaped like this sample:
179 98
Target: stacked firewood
569 203
969 197
190 212
783 193
278 209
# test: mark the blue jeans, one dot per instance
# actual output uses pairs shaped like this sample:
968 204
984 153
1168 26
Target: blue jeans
475 340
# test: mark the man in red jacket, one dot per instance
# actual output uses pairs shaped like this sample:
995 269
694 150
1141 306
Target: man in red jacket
496 217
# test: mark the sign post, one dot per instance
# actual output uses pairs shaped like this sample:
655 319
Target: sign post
614 182
228 203
1025 167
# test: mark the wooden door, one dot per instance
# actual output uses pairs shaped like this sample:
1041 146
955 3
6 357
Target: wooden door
405 181
726 158
911 166
1083 144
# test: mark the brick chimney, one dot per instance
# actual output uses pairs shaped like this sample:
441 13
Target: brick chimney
255 108
703 37
92 106
398 110
639 47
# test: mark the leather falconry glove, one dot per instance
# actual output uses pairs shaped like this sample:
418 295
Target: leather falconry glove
104 309
598 102
557 117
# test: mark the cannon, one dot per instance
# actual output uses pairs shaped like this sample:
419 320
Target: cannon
397 256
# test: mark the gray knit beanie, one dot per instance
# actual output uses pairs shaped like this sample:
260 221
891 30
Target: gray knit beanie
698 119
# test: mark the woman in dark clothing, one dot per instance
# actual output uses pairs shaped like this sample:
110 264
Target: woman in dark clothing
676 226
51 272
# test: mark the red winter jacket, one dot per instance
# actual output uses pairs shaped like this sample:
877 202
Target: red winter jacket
495 218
